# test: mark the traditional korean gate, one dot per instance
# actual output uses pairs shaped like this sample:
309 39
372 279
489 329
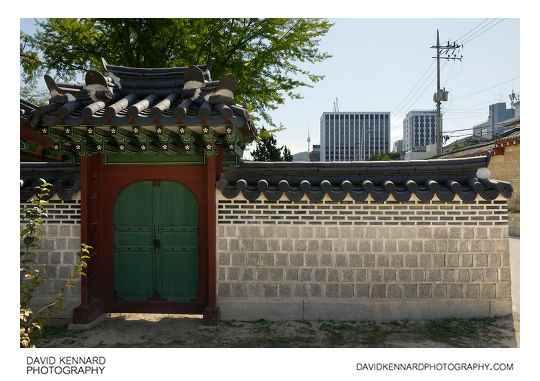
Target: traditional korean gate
156 237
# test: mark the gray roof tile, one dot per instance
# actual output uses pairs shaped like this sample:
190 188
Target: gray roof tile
445 178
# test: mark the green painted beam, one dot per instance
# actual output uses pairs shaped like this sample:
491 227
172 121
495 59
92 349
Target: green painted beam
148 140
148 147
209 135
124 137
167 136
210 150
189 136
138 141
60 133
107 147
170 148
236 148
192 149
128 148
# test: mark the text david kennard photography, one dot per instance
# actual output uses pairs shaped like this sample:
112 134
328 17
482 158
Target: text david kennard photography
65 365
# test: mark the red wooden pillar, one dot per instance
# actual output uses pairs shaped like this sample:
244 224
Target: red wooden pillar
91 288
211 311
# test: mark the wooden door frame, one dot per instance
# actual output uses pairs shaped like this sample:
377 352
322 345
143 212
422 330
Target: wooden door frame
100 186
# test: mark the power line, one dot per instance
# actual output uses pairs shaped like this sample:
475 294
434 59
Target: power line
482 28
492 100
488 88
481 32
458 39
458 136
425 86
397 108
464 129
466 111
457 75
423 92
462 117
462 109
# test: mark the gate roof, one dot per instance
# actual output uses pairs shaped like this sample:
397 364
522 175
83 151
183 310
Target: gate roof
144 110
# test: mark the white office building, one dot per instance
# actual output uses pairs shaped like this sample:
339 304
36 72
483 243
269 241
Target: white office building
353 136
419 129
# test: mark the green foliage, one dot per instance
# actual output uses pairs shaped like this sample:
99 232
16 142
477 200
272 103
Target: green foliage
32 275
465 144
267 56
384 156
267 150
287 154
30 62
32 93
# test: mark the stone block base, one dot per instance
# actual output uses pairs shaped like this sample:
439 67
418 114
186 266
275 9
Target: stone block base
210 316
513 224
363 309
87 326
62 317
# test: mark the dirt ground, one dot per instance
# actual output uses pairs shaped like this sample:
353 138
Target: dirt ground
170 331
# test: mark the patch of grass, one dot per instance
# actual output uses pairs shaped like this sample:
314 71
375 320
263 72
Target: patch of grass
484 332
275 342
459 332
175 343
343 326
261 328
50 333
375 338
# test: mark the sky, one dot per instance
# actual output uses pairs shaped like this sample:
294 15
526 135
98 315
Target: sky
387 65
379 65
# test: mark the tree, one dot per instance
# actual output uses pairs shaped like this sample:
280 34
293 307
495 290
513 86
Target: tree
287 154
32 93
267 56
384 156
267 150
30 63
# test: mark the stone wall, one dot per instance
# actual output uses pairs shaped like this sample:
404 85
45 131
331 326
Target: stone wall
506 168
513 224
58 251
362 260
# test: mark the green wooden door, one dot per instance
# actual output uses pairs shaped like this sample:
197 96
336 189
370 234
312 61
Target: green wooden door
156 242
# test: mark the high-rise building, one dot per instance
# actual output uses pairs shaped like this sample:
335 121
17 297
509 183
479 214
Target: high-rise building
315 155
398 146
497 113
353 136
419 129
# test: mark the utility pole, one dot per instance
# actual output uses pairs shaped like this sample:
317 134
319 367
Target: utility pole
442 95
